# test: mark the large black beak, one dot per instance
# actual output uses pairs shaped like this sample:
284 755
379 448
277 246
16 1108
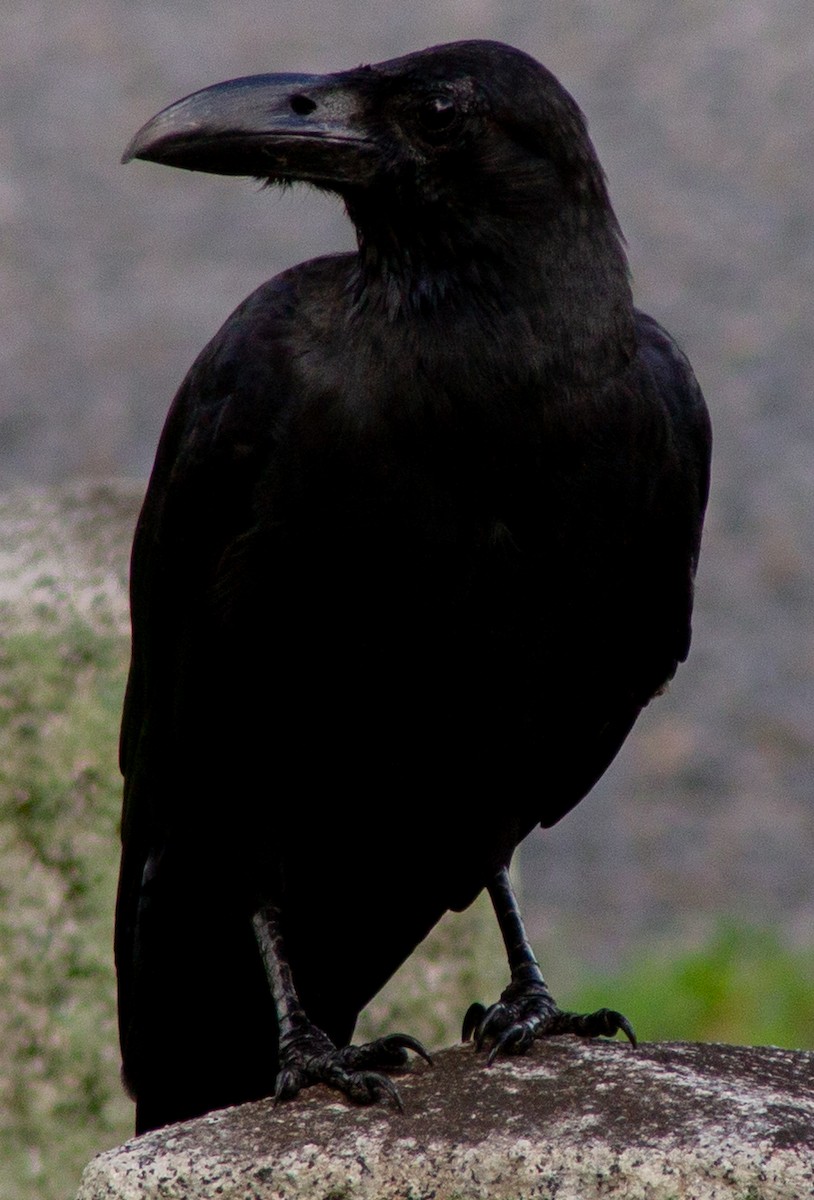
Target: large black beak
268 126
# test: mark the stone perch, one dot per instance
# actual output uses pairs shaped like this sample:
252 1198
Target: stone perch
570 1121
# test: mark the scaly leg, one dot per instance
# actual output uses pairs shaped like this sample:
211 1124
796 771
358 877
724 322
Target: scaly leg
306 1054
526 1009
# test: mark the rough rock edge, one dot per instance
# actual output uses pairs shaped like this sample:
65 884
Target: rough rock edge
571 1121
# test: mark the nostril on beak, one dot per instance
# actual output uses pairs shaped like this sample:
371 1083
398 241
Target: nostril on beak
302 105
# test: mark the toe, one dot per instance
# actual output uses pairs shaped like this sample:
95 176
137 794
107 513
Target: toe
472 1020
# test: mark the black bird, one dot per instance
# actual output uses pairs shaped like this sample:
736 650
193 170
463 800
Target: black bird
418 546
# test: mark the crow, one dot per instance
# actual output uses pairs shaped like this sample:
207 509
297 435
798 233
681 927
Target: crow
418 546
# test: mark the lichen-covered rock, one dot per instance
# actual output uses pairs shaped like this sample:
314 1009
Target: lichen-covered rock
570 1121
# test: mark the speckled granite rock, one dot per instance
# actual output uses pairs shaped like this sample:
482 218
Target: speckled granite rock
571 1121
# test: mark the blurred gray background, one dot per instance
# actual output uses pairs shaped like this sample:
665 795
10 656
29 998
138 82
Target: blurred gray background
113 278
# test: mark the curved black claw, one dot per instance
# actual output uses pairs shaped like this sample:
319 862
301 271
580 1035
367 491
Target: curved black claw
605 1022
472 1019
527 1012
310 1057
387 1053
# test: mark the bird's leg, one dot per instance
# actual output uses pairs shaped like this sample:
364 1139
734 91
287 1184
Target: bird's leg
526 1009
306 1054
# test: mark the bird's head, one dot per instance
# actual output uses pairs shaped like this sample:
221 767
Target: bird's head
467 151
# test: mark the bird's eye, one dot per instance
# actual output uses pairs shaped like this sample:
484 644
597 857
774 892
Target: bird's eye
302 105
437 117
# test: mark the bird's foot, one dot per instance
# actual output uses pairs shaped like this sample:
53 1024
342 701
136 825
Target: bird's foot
309 1056
526 1011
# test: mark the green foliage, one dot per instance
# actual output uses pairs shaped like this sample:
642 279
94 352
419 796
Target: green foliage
743 985
60 700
